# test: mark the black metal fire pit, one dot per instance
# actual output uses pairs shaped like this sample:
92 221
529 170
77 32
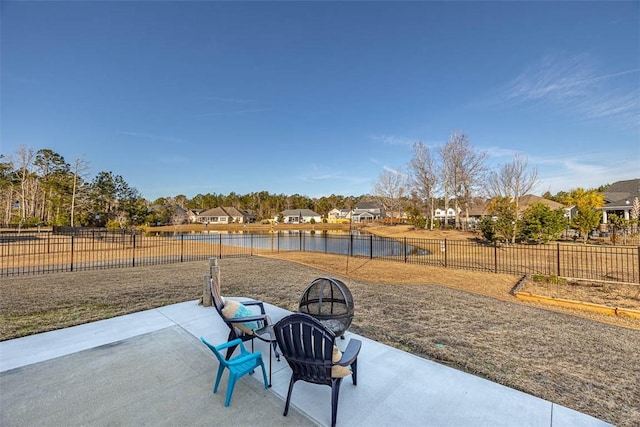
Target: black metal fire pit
330 301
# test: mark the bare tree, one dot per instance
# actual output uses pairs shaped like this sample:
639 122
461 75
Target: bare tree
463 168
28 183
7 189
80 168
390 189
424 177
513 180
635 214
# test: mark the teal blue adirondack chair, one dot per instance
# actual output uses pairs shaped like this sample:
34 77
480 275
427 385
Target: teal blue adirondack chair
242 364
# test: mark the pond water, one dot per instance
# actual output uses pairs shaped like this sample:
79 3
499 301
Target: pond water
341 243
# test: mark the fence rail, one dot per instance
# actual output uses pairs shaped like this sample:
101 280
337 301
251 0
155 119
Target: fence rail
45 252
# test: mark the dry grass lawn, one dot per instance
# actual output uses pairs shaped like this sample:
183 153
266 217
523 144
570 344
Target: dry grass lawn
468 320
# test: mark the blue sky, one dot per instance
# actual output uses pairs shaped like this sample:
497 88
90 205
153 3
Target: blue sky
319 98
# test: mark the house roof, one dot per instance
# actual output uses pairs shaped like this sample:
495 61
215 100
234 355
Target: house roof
530 199
231 211
621 191
368 205
299 212
214 212
481 207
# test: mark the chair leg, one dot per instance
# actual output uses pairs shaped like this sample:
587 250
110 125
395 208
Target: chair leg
218 377
286 405
264 373
230 387
354 370
335 392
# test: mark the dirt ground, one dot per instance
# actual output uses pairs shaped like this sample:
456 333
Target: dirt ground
467 320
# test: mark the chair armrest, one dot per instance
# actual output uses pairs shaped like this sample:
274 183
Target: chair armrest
254 303
229 344
255 318
242 358
350 354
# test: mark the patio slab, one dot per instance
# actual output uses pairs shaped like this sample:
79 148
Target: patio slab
150 368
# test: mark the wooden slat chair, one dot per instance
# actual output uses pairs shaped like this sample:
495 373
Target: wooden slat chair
309 348
236 331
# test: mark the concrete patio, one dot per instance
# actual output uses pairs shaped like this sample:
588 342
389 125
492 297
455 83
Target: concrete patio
150 368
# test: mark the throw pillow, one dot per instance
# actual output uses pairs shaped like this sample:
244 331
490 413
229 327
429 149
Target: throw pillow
234 310
338 371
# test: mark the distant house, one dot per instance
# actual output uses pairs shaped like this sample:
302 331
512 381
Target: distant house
530 199
480 208
225 215
338 215
619 197
299 216
362 216
374 208
192 214
214 216
236 216
249 215
441 214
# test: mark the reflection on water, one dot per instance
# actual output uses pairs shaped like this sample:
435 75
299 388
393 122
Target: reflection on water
332 242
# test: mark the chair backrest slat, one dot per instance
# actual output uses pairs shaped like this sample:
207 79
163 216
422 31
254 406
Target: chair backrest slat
307 346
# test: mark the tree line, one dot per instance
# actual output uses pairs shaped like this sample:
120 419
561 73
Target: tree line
39 187
457 175
42 188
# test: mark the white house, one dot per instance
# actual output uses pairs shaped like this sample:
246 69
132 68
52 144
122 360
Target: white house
362 216
299 216
441 213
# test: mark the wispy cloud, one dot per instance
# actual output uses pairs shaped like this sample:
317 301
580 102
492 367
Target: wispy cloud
586 170
577 85
396 171
496 152
393 140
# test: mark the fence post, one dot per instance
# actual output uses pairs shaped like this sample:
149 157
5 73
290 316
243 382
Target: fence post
133 250
350 244
446 261
371 246
182 248
558 258
72 243
325 235
404 249
495 256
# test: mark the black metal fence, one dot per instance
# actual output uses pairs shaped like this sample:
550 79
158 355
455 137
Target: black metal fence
46 252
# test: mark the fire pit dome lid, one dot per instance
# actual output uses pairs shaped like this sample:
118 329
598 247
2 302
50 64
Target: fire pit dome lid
330 301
